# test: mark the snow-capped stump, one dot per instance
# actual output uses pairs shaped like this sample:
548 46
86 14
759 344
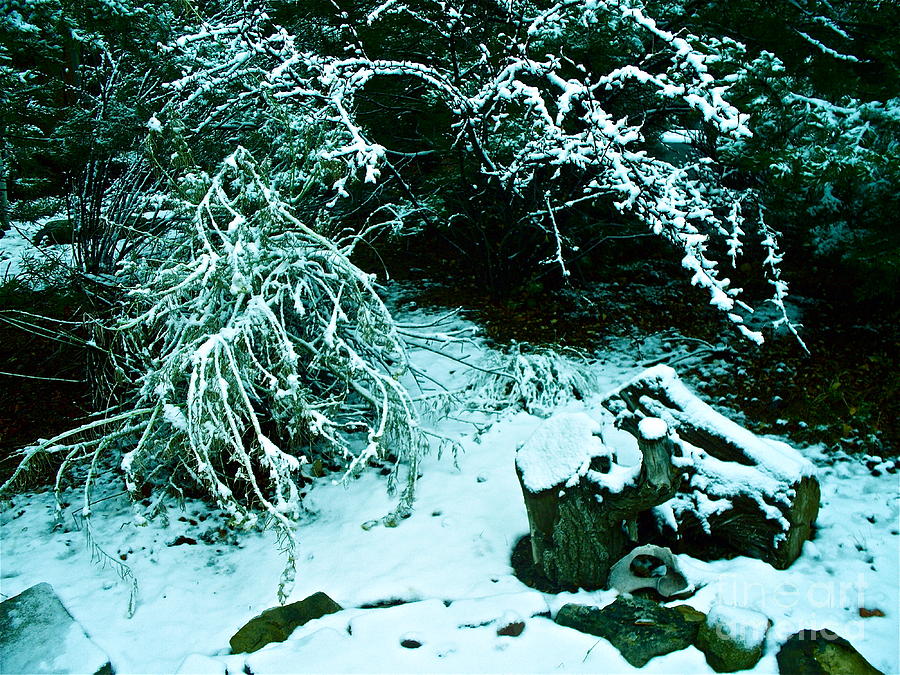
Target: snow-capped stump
740 494
582 505
38 635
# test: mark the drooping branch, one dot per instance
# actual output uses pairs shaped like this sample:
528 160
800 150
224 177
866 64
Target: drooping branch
520 113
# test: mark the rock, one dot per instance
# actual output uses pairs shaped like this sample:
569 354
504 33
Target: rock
821 652
733 638
55 231
639 628
513 629
276 624
38 635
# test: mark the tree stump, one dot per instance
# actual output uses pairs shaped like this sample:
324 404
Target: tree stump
740 494
582 505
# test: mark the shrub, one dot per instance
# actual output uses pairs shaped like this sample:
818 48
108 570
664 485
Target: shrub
249 346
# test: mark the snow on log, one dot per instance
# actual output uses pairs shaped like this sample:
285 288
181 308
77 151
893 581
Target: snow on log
582 503
740 494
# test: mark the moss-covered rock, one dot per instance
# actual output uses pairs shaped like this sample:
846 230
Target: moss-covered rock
821 652
639 628
277 624
733 638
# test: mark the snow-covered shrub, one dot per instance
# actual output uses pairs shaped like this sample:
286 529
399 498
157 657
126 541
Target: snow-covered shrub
822 160
536 121
250 346
533 379
265 322
824 156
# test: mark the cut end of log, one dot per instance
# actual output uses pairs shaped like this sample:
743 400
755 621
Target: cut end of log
652 428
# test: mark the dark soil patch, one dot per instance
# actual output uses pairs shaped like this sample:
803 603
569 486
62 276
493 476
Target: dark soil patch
843 393
35 408
528 573
634 289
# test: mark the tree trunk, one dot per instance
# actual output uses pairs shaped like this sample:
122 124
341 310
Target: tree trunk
583 523
4 185
741 494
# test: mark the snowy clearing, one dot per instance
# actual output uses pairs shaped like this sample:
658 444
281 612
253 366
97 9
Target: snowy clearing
449 564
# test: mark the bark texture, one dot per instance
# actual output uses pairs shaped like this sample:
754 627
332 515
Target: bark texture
740 494
706 486
578 532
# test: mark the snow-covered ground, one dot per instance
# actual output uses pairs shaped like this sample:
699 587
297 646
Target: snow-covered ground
449 563
20 257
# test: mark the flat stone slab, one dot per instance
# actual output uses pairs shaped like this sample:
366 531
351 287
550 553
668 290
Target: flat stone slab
38 635
639 628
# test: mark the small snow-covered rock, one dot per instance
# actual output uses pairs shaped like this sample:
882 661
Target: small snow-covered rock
38 635
498 609
511 625
733 638
314 651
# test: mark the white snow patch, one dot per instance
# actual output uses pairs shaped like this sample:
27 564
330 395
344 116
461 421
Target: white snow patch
455 548
778 459
652 428
561 448
743 626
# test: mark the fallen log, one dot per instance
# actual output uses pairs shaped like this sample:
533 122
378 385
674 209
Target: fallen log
740 494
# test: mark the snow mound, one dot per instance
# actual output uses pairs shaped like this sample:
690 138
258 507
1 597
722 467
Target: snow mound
562 447
744 626
777 459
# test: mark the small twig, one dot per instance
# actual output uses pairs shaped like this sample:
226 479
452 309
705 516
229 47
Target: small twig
461 361
588 652
36 377
112 496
